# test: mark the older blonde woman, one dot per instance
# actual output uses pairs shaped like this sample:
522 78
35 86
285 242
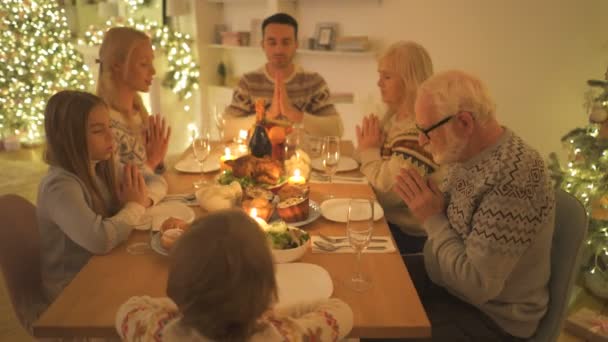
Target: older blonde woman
388 145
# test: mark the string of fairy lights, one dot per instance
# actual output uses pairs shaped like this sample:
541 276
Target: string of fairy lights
585 176
37 59
183 71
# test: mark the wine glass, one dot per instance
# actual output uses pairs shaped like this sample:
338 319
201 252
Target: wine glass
330 155
359 227
201 147
220 120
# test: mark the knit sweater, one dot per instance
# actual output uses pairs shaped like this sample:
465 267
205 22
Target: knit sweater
158 319
307 92
129 140
492 245
381 166
71 232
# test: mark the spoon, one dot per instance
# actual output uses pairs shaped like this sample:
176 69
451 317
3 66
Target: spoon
328 247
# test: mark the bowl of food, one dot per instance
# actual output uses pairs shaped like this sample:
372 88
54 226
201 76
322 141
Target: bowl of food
288 243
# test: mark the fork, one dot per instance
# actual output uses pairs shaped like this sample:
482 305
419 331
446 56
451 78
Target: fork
328 247
338 240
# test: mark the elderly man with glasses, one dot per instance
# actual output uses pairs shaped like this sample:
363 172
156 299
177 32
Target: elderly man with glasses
489 223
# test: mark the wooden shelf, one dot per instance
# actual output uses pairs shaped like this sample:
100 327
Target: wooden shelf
299 51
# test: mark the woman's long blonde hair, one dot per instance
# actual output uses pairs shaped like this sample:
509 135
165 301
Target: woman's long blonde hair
413 64
221 276
66 118
117 47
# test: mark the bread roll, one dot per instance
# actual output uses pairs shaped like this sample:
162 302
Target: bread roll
174 223
169 237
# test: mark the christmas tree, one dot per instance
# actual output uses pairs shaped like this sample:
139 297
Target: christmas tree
37 59
586 177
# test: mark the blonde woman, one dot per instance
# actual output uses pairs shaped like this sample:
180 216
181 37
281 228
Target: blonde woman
80 210
387 146
222 287
126 67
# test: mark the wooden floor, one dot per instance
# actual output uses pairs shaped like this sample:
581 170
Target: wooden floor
20 173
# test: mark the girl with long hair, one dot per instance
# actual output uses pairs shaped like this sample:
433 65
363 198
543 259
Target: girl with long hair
222 288
126 67
81 210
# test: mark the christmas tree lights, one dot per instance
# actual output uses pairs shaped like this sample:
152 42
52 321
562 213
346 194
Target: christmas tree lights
37 59
586 177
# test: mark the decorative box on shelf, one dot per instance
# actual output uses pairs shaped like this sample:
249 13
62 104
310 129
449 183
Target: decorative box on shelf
352 43
235 38
588 324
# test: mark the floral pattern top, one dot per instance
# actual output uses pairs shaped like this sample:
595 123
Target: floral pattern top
158 319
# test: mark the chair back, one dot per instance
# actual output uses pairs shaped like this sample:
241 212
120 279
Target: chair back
20 257
568 239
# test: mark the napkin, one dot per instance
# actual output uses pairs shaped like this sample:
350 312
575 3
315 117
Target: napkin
389 247
213 197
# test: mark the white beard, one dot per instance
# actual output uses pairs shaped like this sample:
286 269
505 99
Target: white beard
454 150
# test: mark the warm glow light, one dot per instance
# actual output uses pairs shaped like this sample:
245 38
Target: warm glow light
254 214
297 178
227 155
243 135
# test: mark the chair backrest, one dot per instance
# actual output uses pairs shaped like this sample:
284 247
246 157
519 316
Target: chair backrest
20 257
568 239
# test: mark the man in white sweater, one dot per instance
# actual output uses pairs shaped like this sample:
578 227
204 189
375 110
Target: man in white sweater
489 224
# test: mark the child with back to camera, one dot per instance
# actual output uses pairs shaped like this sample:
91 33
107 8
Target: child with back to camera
222 287
126 67
81 211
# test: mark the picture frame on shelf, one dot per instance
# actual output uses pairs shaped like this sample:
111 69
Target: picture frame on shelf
217 32
325 36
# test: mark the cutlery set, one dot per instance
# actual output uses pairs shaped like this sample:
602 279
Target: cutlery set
332 244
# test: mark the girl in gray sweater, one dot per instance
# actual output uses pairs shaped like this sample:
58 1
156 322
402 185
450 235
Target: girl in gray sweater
81 211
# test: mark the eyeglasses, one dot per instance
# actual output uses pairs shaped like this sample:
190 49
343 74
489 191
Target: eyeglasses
426 131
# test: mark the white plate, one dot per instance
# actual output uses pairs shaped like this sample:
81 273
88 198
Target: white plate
345 164
164 210
155 244
336 209
313 214
191 165
301 282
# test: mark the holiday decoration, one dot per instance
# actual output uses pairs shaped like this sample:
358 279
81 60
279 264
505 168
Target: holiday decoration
37 59
183 71
586 177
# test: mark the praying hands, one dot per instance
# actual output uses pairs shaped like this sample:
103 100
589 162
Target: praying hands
281 105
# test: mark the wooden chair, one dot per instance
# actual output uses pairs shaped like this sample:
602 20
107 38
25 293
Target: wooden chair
568 239
20 257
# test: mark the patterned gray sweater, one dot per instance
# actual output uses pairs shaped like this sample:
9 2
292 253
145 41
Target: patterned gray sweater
308 92
492 246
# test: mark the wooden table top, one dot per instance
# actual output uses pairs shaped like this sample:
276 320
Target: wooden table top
391 308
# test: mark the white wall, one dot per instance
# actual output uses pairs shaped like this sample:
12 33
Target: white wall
534 55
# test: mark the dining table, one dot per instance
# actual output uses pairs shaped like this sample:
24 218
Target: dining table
391 308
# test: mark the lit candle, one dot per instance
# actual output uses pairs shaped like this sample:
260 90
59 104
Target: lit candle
242 136
297 178
227 156
259 220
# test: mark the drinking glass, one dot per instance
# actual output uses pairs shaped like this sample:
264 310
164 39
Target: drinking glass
359 227
330 155
219 120
201 147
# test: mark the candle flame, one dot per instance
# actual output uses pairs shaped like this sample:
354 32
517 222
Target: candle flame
227 152
243 134
253 213
296 173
